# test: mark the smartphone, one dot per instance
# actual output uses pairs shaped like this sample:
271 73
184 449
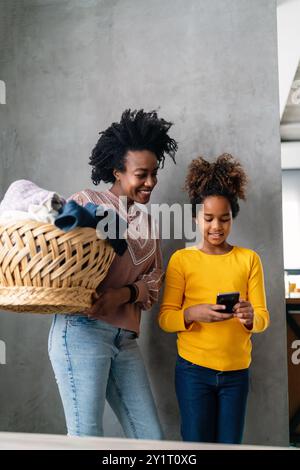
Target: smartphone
229 299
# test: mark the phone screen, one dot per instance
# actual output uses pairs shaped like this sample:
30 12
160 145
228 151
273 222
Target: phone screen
229 299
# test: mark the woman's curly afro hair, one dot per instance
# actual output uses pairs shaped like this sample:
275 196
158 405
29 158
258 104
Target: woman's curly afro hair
223 177
137 130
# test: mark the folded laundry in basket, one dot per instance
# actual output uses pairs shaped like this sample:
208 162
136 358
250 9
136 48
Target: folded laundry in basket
45 212
26 196
39 212
73 215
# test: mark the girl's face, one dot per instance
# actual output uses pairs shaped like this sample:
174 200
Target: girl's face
215 220
139 178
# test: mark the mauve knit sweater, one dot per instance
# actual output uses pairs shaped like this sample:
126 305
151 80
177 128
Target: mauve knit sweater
140 264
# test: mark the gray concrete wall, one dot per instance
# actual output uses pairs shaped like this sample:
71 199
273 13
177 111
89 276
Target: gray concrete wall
210 66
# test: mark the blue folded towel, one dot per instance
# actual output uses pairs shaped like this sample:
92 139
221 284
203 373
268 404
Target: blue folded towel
73 215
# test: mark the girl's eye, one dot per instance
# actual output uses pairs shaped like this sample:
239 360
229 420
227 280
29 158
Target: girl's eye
210 220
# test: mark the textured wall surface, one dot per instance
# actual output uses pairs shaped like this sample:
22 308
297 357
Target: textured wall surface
210 66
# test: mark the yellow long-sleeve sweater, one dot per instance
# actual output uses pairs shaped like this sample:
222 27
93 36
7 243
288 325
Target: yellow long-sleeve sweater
194 277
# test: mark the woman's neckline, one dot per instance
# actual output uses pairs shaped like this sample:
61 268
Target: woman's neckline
117 198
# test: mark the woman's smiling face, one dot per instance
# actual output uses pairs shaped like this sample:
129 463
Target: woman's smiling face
139 178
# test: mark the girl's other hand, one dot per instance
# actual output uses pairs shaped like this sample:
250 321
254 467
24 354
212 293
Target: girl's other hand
245 313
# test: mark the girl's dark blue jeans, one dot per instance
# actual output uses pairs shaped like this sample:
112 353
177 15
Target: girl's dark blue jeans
212 403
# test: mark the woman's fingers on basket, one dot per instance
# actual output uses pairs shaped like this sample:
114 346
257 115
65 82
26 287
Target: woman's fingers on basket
90 311
95 297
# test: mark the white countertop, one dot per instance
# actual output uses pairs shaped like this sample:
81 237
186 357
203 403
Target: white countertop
22 441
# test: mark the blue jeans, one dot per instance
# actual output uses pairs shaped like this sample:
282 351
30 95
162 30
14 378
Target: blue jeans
93 361
212 403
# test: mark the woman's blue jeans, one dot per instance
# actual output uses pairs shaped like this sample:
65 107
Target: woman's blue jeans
93 361
212 403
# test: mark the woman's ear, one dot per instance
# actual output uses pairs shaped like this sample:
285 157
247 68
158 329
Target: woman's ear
116 174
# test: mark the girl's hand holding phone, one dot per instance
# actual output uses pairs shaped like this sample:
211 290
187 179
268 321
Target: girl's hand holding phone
205 313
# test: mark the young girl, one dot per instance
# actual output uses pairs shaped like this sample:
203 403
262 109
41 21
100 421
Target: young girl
214 348
96 356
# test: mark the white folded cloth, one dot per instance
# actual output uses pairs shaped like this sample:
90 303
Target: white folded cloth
22 193
25 200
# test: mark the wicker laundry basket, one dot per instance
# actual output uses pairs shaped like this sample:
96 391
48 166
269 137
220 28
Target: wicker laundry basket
46 270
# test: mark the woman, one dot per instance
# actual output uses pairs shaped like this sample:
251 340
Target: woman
214 348
96 356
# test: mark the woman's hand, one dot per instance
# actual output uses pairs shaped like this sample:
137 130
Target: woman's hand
107 302
245 313
205 313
